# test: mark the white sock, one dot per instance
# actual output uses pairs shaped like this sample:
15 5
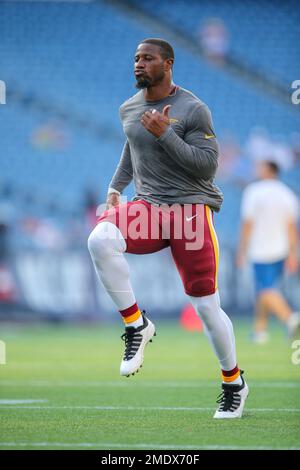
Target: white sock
219 330
106 245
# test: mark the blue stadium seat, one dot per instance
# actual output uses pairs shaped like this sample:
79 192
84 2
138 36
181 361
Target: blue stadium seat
79 57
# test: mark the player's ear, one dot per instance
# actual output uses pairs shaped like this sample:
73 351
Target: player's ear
168 64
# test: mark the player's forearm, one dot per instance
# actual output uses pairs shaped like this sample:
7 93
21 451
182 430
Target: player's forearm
199 161
124 172
120 180
293 238
245 237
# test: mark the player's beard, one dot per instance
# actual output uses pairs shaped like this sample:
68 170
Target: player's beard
143 82
147 82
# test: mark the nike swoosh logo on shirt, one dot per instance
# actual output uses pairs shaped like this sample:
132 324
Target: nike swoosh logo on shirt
207 136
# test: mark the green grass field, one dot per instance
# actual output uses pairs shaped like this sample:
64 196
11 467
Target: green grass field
168 405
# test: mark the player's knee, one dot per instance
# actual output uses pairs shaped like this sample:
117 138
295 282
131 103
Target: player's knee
104 241
93 244
99 246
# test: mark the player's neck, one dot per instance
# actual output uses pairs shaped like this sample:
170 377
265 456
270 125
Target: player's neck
159 92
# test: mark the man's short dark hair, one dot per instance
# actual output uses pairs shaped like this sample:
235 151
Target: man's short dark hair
273 166
167 51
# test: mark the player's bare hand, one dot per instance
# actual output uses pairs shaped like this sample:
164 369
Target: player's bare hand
113 199
156 122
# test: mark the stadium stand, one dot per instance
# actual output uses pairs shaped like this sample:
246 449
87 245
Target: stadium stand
61 131
272 28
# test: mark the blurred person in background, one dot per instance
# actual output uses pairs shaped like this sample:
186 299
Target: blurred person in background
269 213
214 40
7 283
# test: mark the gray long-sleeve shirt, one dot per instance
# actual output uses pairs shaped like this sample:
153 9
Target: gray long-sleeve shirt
179 166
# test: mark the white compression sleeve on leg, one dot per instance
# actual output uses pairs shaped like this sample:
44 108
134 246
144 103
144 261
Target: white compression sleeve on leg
106 245
218 328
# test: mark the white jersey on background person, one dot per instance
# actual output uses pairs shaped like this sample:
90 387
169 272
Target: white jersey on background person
269 204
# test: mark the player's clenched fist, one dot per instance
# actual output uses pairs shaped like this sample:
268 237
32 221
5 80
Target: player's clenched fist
156 122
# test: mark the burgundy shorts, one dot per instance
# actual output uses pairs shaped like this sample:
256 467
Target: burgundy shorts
187 229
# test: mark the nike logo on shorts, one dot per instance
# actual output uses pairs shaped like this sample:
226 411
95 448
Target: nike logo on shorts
188 219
